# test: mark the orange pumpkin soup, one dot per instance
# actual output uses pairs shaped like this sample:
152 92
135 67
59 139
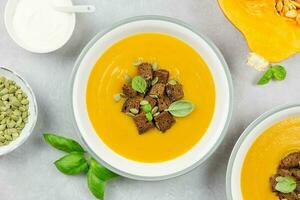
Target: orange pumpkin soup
118 130
264 156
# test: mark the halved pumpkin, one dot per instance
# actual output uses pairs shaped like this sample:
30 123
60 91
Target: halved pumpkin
269 34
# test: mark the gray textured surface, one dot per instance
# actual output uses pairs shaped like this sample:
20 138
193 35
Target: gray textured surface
28 173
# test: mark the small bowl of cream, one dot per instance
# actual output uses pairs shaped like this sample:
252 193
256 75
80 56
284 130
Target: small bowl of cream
37 26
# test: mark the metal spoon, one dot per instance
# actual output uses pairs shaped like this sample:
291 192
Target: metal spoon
76 9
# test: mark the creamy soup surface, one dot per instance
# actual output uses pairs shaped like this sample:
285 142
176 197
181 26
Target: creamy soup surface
264 156
117 130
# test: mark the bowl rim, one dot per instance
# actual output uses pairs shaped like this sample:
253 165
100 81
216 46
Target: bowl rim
244 135
13 146
219 56
11 32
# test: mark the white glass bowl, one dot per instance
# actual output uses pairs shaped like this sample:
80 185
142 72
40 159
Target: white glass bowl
8 19
195 156
253 131
33 111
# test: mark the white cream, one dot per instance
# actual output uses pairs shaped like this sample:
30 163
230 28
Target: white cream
40 27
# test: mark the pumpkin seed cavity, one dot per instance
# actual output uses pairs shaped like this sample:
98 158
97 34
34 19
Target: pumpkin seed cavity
289 9
14 106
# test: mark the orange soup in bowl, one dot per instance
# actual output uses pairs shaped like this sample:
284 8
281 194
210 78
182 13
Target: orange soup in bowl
117 130
264 156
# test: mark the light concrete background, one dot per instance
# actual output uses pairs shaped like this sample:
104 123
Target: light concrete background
28 172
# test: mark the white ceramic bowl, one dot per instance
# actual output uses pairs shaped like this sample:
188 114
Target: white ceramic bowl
32 110
8 20
253 131
203 149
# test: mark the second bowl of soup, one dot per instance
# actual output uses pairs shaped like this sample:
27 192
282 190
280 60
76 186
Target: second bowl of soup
265 161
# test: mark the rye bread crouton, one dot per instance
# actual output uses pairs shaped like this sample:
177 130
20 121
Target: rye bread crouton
142 123
290 161
296 173
288 196
164 121
284 172
157 90
131 103
128 91
163 103
162 75
152 101
145 70
273 182
297 190
174 92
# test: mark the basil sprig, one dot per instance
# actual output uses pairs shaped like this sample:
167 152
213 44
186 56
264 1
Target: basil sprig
76 162
73 163
181 108
276 72
285 184
95 184
62 143
100 171
139 84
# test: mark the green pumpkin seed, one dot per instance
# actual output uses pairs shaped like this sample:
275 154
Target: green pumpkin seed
154 81
117 97
5 97
19 97
156 114
8 137
127 78
172 82
144 102
11 124
138 62
155 67
24 101
21 108
17 113
130 114
134 111
14 106
153 96
2 127
154 110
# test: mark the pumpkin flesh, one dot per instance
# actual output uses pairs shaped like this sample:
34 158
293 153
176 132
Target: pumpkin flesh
267 33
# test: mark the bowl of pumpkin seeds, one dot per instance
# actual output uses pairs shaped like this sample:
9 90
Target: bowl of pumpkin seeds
18 110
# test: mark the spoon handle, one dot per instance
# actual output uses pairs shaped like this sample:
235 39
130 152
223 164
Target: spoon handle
76 9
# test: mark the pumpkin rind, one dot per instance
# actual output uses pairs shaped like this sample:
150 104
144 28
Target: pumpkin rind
267 33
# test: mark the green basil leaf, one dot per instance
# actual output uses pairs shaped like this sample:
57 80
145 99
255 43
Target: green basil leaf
285 184
62 143
95 184
266 77
147 108
181 108
139 84
73 163
100 171
149 116
279 72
